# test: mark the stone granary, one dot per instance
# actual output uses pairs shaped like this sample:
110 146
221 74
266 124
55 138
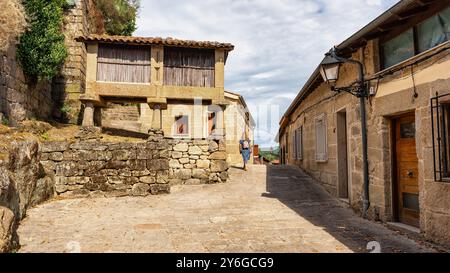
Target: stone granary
405 53
137 84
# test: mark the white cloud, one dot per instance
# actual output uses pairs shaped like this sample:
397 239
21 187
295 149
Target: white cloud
278 43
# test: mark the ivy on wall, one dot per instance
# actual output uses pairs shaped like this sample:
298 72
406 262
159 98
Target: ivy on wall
41 50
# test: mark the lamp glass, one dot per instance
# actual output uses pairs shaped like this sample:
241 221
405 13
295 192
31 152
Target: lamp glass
330 72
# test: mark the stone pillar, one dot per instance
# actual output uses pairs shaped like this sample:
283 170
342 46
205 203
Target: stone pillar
156 122
88 118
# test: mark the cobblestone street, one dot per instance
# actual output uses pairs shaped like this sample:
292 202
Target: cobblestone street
273 209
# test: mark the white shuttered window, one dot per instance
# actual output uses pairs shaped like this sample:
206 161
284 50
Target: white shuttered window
294 142
321 139
300 143
297 141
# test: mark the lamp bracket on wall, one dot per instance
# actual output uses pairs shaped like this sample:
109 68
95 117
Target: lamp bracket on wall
356 91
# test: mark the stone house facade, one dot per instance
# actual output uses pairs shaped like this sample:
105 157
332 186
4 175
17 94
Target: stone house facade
406 63
239 124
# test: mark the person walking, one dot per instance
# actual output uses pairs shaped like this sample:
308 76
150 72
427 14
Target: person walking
244 148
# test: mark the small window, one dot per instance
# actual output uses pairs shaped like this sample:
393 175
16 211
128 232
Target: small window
181 126
212 122
408 130
440 115
434 31
294 142
398 49
420 38
299 143
321 139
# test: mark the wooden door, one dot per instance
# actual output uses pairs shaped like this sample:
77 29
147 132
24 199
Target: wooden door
407 171
342 148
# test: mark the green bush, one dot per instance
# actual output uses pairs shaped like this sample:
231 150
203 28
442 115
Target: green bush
119 16
42 51
5 121
65 109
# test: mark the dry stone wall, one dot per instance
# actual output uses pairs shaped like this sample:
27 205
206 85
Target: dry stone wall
95 168
19 100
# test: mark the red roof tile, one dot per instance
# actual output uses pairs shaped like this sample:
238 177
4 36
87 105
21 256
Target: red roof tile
154 41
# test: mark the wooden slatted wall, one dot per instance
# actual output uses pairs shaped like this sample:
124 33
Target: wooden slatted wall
189 67
130 64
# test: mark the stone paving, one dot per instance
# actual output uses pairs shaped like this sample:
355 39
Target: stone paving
268 209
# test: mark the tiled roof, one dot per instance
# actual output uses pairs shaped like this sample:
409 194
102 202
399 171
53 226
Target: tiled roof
155 41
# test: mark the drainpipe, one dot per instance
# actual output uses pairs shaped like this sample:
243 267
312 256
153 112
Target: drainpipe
362 99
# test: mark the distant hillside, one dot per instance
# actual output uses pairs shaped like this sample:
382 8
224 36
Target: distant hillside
270 153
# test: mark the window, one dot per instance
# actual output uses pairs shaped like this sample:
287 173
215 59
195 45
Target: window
422 37
181 126
398 49
321 139
123 64
212 121
434 31
189 67
298 144
294 146
440 130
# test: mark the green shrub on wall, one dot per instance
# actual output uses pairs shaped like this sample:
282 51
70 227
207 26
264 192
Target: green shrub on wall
42 50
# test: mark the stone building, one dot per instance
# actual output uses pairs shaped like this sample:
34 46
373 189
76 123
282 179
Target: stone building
405 53
239 124
177 85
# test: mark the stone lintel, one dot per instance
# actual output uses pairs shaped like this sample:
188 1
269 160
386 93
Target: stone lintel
92 98
161 102
221 102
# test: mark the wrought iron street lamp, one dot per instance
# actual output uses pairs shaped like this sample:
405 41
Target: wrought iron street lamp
329 69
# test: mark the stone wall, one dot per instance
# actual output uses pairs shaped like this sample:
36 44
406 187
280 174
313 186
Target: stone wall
71 83
93 168
198 162
18 100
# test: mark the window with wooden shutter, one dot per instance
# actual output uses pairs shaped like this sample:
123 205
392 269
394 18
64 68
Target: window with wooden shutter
295 143
300 143
321 139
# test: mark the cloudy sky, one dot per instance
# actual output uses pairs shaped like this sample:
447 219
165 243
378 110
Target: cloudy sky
278 44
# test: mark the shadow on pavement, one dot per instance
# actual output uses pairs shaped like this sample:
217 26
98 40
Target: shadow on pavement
302 194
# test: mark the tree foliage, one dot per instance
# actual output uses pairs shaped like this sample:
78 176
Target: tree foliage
42 50
119 16
12 22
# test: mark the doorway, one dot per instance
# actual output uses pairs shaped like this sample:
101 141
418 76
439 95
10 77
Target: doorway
406 186
342 151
